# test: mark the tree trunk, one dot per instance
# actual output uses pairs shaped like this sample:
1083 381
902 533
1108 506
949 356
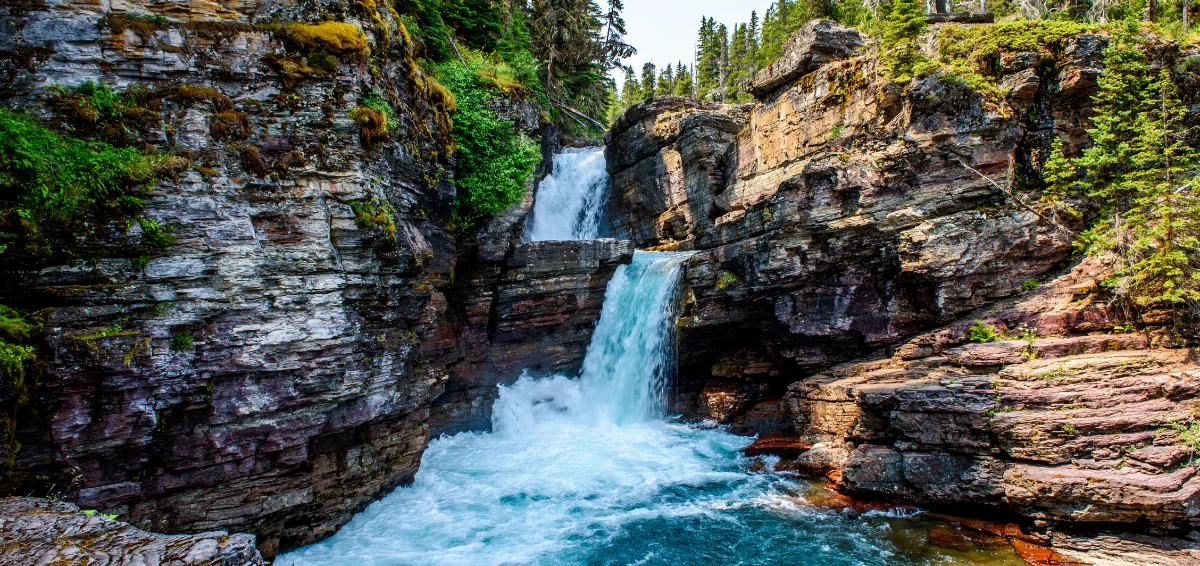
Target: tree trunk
1152 10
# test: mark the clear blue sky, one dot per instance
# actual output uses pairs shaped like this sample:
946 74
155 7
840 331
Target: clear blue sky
664 31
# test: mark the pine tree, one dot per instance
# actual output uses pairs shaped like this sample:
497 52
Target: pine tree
722 63
649 81
1161 228
901 29
569 38
708 59
1141 173
684 85
631 90
666 82
615 46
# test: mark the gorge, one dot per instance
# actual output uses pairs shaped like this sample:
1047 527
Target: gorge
845 322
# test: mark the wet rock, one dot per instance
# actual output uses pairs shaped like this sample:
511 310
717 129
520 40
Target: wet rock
533 310
784 446
39 531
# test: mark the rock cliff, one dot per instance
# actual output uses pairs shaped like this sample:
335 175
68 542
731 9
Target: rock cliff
271 370
844 212
843 217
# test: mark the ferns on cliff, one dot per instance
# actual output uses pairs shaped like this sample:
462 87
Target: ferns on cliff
44 174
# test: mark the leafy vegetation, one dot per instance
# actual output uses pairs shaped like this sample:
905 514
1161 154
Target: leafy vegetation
982 333
494 160
182 341
47 176
375 214
727 280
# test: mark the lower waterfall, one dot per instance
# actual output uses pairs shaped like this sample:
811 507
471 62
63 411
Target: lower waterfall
590 471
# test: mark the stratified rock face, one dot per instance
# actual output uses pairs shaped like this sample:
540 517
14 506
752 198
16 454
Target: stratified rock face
846 214
668 160
534 310
271 370
816 43
1079 428
37 531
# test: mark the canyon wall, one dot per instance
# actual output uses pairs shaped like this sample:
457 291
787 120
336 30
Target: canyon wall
271 369
850 230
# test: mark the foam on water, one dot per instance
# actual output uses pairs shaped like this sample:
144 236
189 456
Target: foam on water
587 471
569 204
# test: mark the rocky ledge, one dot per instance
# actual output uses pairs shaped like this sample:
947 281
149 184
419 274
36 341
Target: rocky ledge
1077 431
43 532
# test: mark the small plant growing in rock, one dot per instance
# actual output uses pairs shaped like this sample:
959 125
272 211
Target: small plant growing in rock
726 280
182 341
1029 335
1029 285
982 333
1070 429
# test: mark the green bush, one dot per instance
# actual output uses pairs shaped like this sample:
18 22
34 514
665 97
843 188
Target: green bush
182 341
494 160
973 52
14 355
726 280
982 333
47 175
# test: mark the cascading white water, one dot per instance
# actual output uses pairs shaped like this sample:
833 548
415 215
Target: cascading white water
569 204
587 471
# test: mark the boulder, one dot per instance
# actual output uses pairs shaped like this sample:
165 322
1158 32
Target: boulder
816 43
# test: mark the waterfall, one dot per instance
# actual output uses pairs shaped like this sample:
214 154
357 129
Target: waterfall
629 363
569 204
587 470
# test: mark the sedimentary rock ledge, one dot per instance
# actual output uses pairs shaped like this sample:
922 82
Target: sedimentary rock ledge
43 532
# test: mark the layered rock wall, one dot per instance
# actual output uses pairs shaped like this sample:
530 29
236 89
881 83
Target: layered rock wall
533 309
270 370
843 212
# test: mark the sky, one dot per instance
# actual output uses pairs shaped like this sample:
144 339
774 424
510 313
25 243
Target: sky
664 31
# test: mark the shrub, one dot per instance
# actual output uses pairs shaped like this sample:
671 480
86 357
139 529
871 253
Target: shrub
1029 285
375 214
726 280
50 175
182 341
982 333
973 53
494 160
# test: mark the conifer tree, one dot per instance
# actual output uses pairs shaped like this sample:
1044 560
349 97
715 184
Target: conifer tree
615 46
903 26
631 90
1141 174
649 81
684 85
666 82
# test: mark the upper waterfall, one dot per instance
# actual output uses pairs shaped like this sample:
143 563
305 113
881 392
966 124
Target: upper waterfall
569 204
